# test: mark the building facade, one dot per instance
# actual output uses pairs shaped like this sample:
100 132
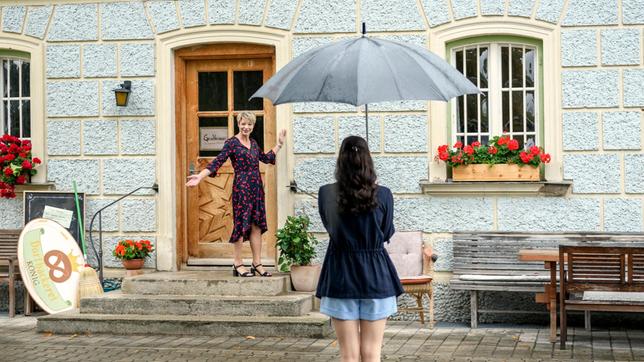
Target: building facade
568 74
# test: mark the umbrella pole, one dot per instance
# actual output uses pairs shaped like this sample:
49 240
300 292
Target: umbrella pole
366 121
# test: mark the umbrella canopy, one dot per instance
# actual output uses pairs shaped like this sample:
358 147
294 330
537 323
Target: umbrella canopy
365 70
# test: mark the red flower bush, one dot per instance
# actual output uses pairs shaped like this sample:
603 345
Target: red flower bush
16 164
500 150
131 249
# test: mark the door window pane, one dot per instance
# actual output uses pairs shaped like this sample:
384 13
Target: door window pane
529 110
460 115
529 67
258 131
213 91
470 65
484 112
505 110
459 61
505 67
213 131
517 111
245 84
472 114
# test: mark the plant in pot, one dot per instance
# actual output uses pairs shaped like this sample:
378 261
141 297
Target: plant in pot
132 253
296 251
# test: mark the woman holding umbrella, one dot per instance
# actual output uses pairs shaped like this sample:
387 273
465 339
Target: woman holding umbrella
358 284
249 210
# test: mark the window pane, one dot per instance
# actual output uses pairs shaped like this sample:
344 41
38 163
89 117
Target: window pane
470 65
505 67
213 91
26 119
459 61
245 84
471 139
483 52
517 111
205 123
14 116
485 140
484 112
5 78
506 111
25 79
472 114
460 139
529 110
258 131
517 67
460 115
5 117
14 79
529 67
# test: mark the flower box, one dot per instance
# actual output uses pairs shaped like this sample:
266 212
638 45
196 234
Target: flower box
499 172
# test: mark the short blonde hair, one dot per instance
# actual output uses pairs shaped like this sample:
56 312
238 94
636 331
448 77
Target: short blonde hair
249 116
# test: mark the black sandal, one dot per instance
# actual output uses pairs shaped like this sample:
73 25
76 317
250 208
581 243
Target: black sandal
253 268
245 274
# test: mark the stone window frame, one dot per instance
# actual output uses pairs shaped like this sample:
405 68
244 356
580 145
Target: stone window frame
495 108
35 49
549 36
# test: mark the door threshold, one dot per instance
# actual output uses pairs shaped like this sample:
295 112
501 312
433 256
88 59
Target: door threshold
227 262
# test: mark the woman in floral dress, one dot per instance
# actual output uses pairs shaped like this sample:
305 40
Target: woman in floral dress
249 210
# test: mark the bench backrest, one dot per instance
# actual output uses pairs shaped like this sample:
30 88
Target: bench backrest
606 268
496 253
9 243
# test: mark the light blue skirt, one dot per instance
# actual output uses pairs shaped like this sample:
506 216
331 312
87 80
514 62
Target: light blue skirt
358 309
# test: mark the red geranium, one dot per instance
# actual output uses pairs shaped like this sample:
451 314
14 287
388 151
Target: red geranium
16 164
130 249
500 150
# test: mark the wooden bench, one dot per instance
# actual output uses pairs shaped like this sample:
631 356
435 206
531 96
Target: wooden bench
488 261
600 278
9 268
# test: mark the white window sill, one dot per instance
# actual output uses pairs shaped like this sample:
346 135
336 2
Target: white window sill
506 188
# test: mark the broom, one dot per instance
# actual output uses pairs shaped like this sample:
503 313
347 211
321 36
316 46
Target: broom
89 285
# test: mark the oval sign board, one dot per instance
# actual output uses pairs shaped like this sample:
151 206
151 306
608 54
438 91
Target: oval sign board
50 260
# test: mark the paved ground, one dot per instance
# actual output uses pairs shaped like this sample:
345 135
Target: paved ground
404 341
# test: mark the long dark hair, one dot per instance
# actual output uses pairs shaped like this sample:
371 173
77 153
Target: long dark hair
356 177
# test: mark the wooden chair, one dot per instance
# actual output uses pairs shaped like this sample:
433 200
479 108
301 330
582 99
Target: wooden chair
413 263
9 268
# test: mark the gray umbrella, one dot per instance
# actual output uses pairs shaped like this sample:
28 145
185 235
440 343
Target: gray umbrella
365 70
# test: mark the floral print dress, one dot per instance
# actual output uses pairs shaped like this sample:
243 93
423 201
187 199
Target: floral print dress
248 190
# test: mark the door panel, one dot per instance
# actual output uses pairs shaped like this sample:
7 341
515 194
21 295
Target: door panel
216 90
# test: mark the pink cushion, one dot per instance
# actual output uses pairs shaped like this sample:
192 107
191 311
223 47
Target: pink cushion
406 252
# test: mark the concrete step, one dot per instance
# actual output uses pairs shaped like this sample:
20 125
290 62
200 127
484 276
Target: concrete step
117 302
205 283
312 325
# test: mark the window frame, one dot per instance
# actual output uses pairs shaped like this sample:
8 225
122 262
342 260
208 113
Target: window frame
11 55
495 123
36 52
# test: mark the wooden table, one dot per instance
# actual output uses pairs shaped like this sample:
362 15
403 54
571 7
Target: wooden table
550 257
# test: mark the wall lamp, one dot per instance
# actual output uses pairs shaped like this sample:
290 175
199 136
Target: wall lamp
123 93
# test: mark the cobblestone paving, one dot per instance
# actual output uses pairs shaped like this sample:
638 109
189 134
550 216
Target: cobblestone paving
404 341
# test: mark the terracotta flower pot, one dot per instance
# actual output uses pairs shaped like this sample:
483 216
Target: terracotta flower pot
133 264
305 277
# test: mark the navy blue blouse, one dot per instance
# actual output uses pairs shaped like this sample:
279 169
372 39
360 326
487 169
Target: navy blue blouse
356 263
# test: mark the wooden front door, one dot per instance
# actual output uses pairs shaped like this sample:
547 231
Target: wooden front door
216 89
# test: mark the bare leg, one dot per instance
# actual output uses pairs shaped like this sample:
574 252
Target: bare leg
256 246
348 334
371 335
237 255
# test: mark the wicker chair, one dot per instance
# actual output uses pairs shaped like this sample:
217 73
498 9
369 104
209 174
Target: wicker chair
413 263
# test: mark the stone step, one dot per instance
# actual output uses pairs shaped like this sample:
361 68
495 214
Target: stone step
312 325
205 283
117 302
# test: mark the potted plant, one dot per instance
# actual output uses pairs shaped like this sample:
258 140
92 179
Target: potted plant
16 164
133 253
296 250
500 160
